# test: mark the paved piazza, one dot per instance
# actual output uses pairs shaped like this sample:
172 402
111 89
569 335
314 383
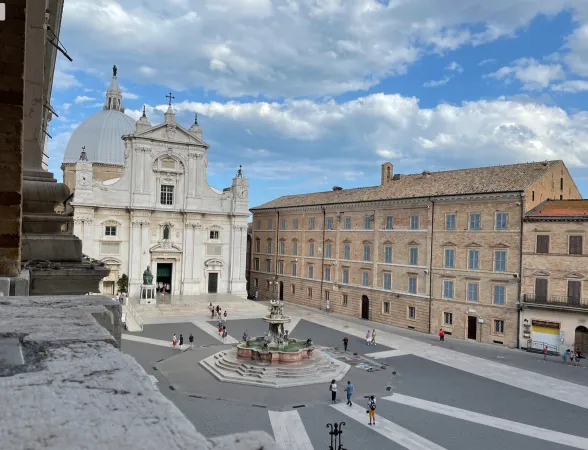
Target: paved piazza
430 396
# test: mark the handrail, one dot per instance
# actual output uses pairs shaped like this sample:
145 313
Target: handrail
555 300
135 315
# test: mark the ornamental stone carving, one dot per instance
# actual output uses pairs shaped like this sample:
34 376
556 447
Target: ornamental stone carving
170 131
195 225
139 223
143 149
239 228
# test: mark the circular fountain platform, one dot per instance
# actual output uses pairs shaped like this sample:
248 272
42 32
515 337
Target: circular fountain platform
293 351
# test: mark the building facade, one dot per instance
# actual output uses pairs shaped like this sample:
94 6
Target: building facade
422 251
555 272
159 210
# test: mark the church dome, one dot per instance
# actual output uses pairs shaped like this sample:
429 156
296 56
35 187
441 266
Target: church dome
101 133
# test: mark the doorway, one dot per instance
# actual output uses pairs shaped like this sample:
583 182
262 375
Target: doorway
581 339
108 287
472 327
365 307
212 282
281 290
164 277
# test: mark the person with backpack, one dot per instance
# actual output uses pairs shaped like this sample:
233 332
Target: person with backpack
372 410
333 389
345 342
191 340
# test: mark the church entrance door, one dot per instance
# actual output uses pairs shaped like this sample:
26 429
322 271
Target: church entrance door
164 277
212 282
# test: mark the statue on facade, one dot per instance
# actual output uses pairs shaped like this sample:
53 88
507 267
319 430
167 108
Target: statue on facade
240 172
114 70
147 277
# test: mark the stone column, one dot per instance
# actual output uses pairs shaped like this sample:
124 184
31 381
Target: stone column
145 245
197 254
134 257
188 251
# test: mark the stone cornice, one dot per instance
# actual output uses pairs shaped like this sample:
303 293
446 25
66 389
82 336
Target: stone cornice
556 219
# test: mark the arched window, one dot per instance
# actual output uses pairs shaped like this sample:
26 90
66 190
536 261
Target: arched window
166 232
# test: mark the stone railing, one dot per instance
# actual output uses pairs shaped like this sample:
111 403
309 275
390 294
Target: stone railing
62 367
134 314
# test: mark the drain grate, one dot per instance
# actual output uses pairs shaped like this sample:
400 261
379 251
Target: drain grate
171 388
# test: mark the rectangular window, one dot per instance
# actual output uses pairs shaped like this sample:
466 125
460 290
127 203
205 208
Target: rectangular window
110 230
574 292
311 249
311 223
414 256
449 258
258 225
293 269
327 295
329 223
256 263
412 285
365 279
473 259
346 251
388 255
387 281
256 282
389 222
499 295
282 247
386 307
344 299
295 224
268 265
328 250
501 221
281 268
448 319
167 195
309 292
575 245
270 224
561 184
367 222
295 248
345 276
269 246
348 223
498 326
283 224
327 274
473 292
542 244
414 222
450 221
214 235
448 290
411 312
310 272
475 221
257 245
366 252
500 261
293 288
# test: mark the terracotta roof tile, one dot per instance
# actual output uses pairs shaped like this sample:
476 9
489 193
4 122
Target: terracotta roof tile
508 178
560 208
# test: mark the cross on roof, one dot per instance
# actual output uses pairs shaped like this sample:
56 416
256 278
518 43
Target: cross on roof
171 97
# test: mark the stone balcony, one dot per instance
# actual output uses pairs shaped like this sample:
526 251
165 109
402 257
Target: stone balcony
555 302
64 384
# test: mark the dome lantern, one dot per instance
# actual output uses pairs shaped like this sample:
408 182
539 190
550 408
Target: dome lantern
114 94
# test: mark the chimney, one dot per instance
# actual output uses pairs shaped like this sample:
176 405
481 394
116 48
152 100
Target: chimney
387 173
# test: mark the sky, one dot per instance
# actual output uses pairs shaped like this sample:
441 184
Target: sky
311 94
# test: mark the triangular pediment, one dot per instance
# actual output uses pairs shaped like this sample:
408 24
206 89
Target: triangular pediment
574 275
541 273
449 244
500 245
387 242
172 133
473 244
166 247
347 241
414 243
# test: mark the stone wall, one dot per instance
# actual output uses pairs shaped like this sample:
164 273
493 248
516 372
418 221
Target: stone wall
550 187
72 388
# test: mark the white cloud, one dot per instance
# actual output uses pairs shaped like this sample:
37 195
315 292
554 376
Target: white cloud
130 95
577 45
318 47
485 62
65 107
532 74
454 67
82 99
436 83
573 86
63 80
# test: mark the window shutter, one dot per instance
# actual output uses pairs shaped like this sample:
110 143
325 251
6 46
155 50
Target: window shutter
542 244
575 245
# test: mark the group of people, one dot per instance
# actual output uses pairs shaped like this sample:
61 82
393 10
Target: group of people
120 297
179 343
222 319
568 354
371 403
370 337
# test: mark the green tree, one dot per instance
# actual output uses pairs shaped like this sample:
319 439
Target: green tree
123 283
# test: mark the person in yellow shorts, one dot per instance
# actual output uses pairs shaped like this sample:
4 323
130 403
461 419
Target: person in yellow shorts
372 410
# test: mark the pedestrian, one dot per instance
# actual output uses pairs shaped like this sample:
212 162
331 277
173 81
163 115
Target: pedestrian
220 329
374 337
256 294
225 333
174 341
545 353
372 409
117 297
565 356
345 342
191 340
349 391
181 341
572 357
441 335
333 389
579 356
225 315
368 337
211 309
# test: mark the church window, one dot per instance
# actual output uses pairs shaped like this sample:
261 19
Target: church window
167 194
166 232
214 234
110 230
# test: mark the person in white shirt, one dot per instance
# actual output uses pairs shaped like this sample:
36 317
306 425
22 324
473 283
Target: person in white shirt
333 389
371 409
368 337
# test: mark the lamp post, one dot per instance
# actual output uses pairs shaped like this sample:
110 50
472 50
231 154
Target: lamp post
335 433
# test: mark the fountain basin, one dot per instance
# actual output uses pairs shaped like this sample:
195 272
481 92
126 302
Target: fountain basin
276 320
294 351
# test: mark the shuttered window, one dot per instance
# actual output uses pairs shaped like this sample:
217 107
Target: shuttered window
575 245
542 244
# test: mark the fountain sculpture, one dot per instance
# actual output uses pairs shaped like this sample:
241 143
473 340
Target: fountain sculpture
275 346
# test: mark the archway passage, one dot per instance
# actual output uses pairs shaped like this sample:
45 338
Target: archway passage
281 290
365 307
581 339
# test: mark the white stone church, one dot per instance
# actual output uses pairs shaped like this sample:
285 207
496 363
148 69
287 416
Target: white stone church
141 199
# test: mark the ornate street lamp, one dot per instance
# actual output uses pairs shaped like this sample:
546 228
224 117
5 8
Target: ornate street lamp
335 433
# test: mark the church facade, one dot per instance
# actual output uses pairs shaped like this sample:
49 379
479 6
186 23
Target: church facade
157 208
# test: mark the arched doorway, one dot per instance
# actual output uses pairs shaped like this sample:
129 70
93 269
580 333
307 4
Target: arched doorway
365 307
281 290
581 339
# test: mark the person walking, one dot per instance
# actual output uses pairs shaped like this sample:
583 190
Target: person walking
211 309
579 356
349 391
191 340
372 410
333 389
181 341
220 329
225 315
374 337
545 353
565 356
256 294
345 342
441 335
174 341
225 333
368 337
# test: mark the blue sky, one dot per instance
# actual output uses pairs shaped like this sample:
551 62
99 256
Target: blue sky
308 94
